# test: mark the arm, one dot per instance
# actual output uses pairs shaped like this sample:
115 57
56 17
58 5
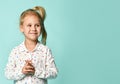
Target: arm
49 70
13 71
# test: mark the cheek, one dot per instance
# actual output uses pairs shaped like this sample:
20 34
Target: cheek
39 30
24 30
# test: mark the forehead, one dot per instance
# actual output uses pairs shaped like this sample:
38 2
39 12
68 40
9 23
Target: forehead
31 19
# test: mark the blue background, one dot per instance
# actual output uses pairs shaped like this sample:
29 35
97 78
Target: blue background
84 36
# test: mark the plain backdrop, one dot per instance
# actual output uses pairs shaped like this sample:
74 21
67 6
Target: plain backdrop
84 36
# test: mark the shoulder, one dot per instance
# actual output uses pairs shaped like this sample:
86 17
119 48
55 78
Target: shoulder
44 48
17 48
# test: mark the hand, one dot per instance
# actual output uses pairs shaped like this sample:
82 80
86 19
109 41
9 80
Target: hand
28 69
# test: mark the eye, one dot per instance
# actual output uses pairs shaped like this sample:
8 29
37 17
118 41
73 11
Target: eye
37 25
29 25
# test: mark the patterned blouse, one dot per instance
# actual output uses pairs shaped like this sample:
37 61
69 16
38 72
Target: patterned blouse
42 60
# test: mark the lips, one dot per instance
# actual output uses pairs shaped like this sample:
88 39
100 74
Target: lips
32 33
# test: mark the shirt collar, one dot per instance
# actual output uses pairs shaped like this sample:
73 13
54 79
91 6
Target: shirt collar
23 48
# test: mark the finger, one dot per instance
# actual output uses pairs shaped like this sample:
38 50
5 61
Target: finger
30 70
29 61
29 64
29 67
25 71
26 62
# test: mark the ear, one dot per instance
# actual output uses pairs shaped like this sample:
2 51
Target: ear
21 28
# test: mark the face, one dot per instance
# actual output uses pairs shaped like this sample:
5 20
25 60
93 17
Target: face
31 27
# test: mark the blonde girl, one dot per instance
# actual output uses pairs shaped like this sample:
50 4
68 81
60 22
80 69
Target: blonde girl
31 62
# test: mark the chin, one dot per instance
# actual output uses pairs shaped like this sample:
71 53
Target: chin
34 39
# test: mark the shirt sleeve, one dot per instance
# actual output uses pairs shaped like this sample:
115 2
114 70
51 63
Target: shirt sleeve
49 70
12 71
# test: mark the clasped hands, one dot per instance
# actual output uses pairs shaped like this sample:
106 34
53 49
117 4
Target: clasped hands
28 68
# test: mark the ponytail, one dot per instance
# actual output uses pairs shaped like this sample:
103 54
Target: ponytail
41 11
42 14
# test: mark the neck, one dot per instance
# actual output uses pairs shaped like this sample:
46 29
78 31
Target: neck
30 45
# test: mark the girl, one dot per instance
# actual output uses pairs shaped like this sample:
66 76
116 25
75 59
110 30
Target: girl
31 62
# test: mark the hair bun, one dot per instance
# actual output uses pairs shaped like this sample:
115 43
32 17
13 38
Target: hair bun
41 11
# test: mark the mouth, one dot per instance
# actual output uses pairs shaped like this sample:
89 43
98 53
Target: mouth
32 33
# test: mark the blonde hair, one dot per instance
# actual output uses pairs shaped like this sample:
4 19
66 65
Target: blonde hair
41 14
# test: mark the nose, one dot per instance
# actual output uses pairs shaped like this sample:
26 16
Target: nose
33 28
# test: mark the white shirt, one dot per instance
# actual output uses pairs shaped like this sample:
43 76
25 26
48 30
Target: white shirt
42 60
